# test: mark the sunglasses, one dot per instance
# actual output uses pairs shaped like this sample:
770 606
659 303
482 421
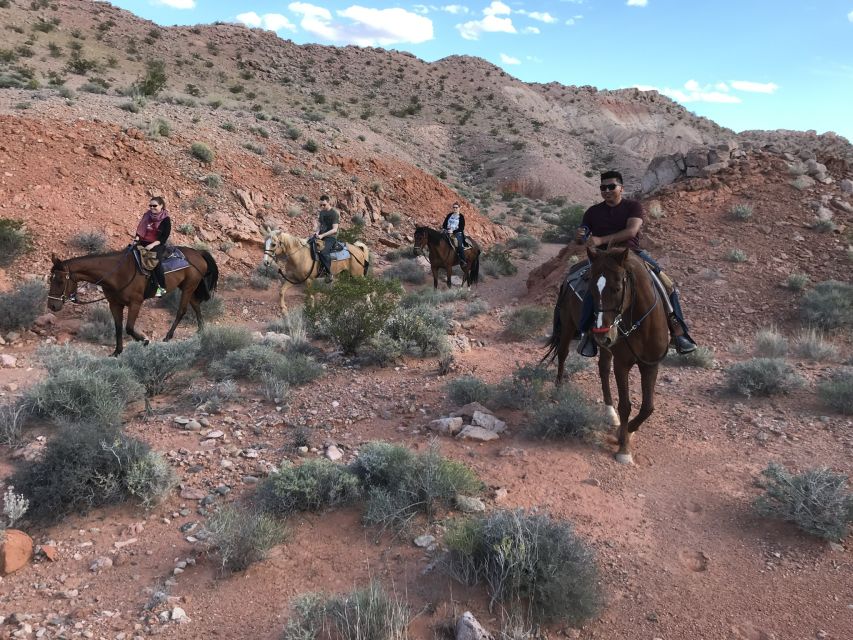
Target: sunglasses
608 187
153 206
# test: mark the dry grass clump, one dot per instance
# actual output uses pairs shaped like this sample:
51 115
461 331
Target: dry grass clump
21 306
311 486
810 344
569 414
837 392
769 343
243 537
701 358
762 377
828 305
527 321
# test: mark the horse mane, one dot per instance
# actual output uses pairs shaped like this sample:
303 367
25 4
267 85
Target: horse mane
432 234
90 256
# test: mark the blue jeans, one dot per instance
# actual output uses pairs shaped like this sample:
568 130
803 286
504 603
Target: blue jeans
460 244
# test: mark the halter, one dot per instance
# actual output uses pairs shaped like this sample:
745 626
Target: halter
68 278
62 298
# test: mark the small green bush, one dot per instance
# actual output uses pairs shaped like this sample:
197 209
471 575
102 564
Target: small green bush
811 345
817 501
243 538
90 241
474 308
467 389
761 377
406 271
531 560
87 466
526 322
769 343
157 365
216 341
212 181
736 255
565 224
15 240
434 297
524 388
741 212
382 350
13 416
202 152
837 392
99 326
159 127
312 486
310 146
352 311
570 414
154 79
828 305
527 244
497 261
701 358
20 307
797 281
258 359
422 327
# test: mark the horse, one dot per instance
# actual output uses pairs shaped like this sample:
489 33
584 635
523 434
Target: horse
442 255
300 266
124 285
630 329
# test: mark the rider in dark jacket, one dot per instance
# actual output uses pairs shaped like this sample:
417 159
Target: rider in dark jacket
454 224
152 232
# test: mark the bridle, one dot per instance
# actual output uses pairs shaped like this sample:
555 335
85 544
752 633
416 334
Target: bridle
269 251
69 278
63 298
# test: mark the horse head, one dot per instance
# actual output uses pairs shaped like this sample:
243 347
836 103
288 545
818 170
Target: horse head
421 238
271 245
610 280
61 286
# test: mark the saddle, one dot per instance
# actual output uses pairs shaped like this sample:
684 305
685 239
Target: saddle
339 252
451 238
577 281
146 260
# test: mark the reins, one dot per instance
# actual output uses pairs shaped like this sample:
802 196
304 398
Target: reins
68 277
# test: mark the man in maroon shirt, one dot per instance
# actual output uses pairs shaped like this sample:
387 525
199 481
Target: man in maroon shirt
617 222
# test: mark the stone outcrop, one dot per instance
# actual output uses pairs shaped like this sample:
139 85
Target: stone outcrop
697 162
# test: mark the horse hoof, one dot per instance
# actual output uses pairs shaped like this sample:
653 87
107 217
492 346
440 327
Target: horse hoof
145 343
624 458
612 416
115 354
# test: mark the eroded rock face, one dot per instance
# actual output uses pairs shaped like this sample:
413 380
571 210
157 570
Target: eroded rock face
16 551
697 162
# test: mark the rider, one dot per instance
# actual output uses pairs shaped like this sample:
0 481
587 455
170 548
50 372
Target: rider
152 232
617 221
326 230
454 225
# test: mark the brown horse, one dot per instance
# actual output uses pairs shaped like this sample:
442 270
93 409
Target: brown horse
300 266
442 255
124 286
630 329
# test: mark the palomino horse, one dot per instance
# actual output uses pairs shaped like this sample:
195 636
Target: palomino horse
442 255
124 286
630 329
299 267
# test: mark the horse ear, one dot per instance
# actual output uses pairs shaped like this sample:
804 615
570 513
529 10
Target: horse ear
624 257
56 261
591 253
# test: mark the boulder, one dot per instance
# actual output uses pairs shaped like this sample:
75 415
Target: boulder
16 551
467 504
846 185
479 434
468 628
470 409
662 171
488 421
446 426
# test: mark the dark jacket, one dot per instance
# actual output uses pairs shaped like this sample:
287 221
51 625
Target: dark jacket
461 222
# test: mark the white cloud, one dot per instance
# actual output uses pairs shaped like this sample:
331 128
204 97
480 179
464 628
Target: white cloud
268 21
545 17
637 3
694 92
754 87
421 9
177 4
509 59
367 26
534 59
850 16
531 30
491 24
497 8
455 9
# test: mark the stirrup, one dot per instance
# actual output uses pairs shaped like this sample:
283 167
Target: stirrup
683 344
159 293
587 347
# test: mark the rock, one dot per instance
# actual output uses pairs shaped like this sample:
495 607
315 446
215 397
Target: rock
333 453
214 435
801 183
100 564
470 409
662 171
501 494
824 213
8 361
50 552
846 185
179 615
488 421
446 426
716 167
467 504
189 493
45 320
192 425
468 628
16 551
424 541
479 434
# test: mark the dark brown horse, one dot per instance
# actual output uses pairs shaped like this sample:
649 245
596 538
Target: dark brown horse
442 255
630 328
124 286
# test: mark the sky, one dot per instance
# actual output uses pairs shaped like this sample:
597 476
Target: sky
746 64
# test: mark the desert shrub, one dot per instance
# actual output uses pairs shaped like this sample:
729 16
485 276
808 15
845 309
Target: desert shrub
259 282
761 377
253 361
525 322
769 343
824 226
154 79
570 414
86 466
90 241
14 240
422 327
382 350
363 614
474 308
310 146
837 392
275 389
828 305
211 397
797 281
400 483
12 419
565 224
296 369
497 261
20 307
212 181
292 324
406 271
215 341
398 254
202 152
434 297
312 486
99 326
523 388
741 212
243 537
817 501
159 127
157 364
351 234
527 244
701 358
528 559
467 389
811 345
81 387
736 255
352 311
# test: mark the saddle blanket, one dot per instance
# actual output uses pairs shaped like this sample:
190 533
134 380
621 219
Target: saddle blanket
174 260
340 254
578 278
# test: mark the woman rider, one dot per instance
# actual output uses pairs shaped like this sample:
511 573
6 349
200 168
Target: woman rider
152 232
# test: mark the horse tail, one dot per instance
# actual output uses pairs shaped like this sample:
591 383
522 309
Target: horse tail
364 248
556 330
207 286
474 271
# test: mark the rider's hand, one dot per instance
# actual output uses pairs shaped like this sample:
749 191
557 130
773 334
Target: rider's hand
579 235
592 242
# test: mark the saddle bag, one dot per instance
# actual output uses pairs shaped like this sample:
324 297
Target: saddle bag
147 258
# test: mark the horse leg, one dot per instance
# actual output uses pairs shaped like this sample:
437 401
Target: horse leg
118 312
621 370
448 267
132 314
281 304
567 332
186 294
434 277
605 359
648 380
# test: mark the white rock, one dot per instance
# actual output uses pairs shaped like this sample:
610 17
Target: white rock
100 564
468 628
179 615
333 453
467 504
8 361
479 434
424 541
446 426
488 421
